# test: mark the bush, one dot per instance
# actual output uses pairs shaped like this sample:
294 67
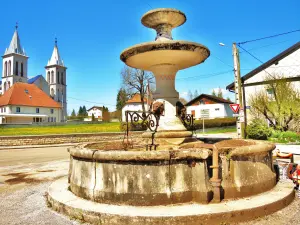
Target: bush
218 122
285 137
258 130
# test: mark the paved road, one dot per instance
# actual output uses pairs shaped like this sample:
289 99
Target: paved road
13 157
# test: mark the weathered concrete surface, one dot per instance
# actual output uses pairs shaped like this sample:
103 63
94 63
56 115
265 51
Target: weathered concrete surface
66 202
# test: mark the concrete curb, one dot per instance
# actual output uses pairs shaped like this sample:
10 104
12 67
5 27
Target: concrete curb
62 200
37 146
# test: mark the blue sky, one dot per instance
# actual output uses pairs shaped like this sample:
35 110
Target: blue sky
92 34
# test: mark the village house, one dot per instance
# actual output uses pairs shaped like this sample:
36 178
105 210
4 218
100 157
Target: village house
27 104
135 104
286 64
97 111
209 106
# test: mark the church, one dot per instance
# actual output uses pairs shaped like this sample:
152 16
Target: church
32 100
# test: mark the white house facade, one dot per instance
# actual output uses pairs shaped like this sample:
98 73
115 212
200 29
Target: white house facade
286 64
134 104
97 111
15 67
27 104
209 106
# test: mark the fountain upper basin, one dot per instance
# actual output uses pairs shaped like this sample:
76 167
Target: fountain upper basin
182 54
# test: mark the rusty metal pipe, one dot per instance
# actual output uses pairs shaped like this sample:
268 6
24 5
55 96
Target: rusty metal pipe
215 181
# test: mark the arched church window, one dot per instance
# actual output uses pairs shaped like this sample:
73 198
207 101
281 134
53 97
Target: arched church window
8 85
58 97
57 77
22 71
9 68
17 68
52 77
62 78
48 77
52 93
4 86
5 69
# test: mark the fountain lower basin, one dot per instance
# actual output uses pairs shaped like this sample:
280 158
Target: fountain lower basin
167 177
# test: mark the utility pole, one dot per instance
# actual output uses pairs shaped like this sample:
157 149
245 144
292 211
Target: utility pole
240 123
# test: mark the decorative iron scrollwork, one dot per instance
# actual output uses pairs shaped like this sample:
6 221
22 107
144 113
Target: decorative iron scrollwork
188 121
150 119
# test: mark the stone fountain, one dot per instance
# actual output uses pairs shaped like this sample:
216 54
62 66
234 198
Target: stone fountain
184 181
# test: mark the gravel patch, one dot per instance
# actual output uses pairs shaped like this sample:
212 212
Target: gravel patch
28 206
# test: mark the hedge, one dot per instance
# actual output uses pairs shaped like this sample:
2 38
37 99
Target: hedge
217 122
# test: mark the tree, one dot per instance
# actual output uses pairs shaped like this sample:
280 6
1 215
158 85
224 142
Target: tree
84 112
105 114
228 99
213 93
136 81
190 95
80 112
122 98
93 117
279 103
182 100
196 94
73 114
220 93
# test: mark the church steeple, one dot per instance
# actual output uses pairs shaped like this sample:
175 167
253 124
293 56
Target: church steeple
15 44
14 63
55 58
56 78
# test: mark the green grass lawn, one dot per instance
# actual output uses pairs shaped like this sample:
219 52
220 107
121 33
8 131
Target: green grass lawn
218 130
61 129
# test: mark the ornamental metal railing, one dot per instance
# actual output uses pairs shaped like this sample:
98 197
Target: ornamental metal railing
149 119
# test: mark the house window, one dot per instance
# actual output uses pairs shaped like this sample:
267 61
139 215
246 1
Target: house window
17 68
52 77
62 78
55 119
57 78
4 110
22 70
37 110
51 111
5 69
9 68
217 109
18 109
202 102
270 93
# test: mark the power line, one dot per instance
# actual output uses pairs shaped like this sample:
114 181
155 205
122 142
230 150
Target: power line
272 36
266 45
222 61
100 103
255 58
203 76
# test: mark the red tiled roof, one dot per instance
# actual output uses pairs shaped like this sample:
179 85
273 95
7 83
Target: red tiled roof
27 95
211 97
136 98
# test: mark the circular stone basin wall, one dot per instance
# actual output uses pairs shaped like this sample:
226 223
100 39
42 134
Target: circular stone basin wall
169 177
247 169
140 177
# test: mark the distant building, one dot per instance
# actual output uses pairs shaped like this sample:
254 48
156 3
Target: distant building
27 104
210 106
134 104
15 67
97 111
286 64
